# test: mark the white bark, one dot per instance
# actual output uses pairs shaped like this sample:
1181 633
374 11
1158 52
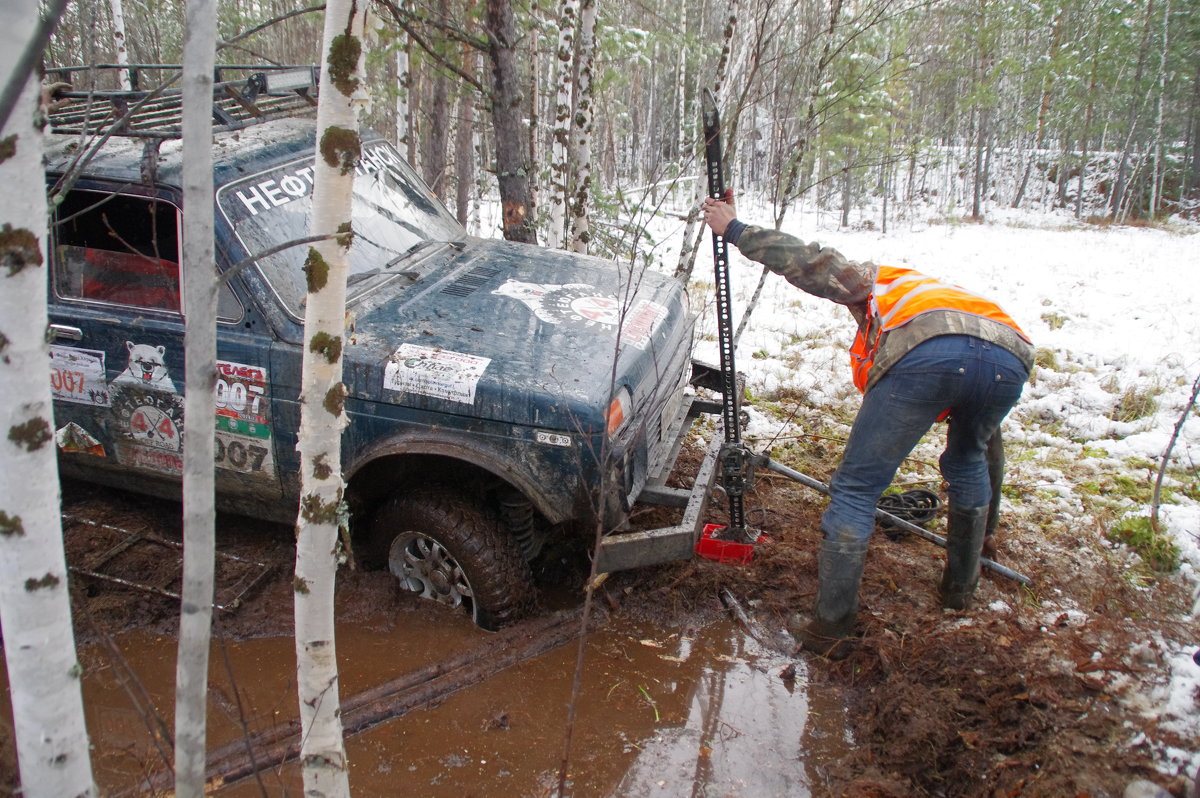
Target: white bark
560 182
403 79
122 52
322 418
35 609
683 140
581 129
200 311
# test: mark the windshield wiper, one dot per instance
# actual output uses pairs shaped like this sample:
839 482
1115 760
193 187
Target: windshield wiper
353 279
411 275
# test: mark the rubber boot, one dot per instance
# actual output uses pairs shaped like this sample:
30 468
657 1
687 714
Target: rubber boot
839 569
964 541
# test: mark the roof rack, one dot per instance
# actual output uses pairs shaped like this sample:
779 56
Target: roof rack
259 94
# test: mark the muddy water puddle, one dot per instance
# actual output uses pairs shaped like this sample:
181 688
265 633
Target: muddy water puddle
662 712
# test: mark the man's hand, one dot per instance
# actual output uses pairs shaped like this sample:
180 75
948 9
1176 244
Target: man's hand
719 213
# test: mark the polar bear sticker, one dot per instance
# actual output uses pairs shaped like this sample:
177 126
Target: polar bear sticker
146 368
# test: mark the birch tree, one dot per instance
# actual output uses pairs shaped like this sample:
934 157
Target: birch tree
564 62
322 398
581 129
200 312
403 89
122 52
35 609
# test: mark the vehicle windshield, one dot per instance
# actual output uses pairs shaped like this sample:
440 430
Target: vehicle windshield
394 213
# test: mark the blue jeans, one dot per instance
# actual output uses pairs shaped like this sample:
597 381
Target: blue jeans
976 381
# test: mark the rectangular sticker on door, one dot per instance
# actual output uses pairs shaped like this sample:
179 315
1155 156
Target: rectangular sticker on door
77 375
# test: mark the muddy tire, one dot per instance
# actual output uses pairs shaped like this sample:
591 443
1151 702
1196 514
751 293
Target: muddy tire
449 548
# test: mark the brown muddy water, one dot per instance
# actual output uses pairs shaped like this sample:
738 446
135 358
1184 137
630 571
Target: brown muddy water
662 712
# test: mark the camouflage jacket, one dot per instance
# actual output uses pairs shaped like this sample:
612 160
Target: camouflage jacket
826 273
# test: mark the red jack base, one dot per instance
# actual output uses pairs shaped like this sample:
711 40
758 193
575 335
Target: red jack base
724 551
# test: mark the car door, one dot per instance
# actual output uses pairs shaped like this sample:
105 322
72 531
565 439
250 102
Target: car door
117 351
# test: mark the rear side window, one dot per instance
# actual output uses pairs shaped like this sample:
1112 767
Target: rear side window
118 249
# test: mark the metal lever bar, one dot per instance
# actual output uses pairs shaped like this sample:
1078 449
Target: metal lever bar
771 465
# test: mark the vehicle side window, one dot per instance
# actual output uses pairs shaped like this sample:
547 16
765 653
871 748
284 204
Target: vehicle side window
118 249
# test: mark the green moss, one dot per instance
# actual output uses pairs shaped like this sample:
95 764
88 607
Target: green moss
345 235
341 148
8 147
1156 550
19 249
49 580
1124 485
315 511
10 525
316 270
328 345
344 52
300 585
335 399
320 467
33 434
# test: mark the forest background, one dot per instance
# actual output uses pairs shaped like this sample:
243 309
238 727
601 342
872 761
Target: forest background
590 110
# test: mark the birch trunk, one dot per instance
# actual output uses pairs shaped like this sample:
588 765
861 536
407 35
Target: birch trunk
1157 144
560 184
35 608
122 52
581 129
403 87
322 395
200 312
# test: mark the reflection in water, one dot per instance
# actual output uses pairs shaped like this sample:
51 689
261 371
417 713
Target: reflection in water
743 731
702 713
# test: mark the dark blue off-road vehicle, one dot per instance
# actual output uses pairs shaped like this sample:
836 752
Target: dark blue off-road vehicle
498 392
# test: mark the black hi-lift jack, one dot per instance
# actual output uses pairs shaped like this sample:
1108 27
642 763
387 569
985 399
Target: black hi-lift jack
736 460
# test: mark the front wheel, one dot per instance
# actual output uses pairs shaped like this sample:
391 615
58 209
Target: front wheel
447 547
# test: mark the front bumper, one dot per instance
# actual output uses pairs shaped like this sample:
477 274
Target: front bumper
623 550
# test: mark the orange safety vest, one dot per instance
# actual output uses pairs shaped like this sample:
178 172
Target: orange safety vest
898 297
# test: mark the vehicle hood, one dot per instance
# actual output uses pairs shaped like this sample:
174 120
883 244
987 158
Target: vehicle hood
517 333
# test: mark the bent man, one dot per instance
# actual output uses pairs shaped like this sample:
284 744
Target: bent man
925 350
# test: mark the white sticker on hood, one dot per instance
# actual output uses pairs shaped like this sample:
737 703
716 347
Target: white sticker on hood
583 305
434 372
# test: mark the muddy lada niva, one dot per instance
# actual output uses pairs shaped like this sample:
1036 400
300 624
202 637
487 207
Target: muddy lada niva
499 393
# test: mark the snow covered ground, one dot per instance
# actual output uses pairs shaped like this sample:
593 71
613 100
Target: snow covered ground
1116 315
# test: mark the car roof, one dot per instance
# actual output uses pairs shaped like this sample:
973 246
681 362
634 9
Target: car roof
236 153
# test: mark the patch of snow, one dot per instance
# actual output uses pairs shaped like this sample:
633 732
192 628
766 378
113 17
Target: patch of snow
1113 314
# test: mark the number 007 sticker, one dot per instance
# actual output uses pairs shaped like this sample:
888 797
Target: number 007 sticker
244 455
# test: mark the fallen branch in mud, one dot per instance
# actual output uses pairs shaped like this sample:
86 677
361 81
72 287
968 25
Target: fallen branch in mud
428 685
752 627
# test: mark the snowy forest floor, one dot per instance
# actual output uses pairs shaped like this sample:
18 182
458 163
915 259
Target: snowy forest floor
1080 683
